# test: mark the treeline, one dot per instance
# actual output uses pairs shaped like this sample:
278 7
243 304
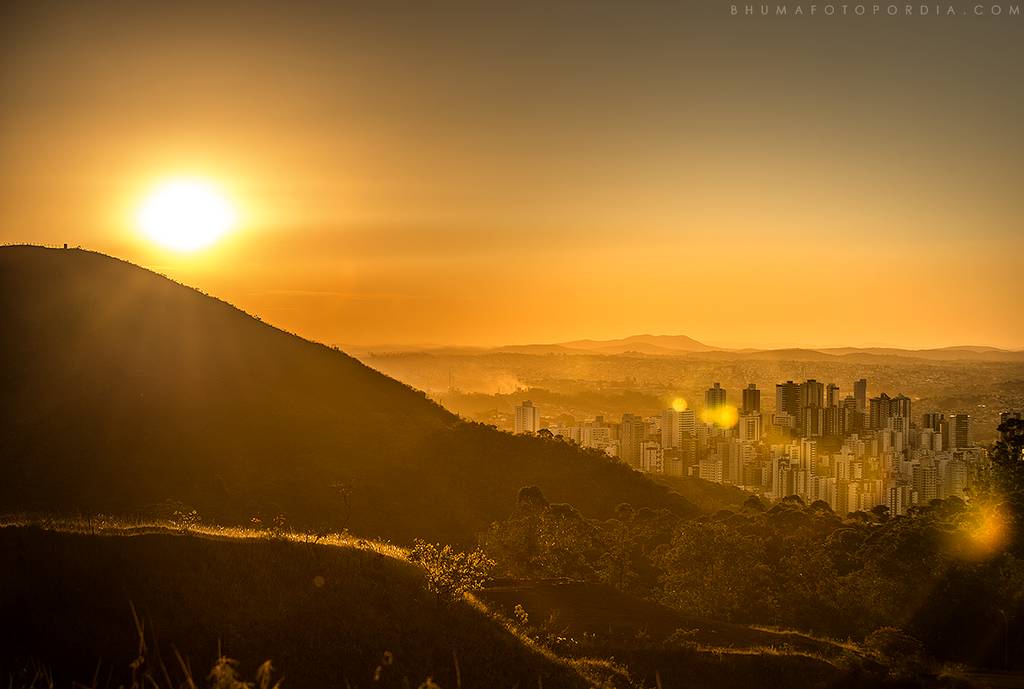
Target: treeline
950 574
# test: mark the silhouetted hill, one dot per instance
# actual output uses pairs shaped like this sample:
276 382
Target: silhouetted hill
325 615
122 390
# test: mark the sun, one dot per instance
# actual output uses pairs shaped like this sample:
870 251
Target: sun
186 214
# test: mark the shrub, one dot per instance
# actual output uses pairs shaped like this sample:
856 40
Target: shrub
451 573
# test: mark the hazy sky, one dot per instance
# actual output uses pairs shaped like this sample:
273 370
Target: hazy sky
513 172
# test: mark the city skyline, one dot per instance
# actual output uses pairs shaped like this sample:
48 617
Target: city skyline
850 451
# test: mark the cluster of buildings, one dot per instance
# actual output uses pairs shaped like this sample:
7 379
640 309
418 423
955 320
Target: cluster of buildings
853 452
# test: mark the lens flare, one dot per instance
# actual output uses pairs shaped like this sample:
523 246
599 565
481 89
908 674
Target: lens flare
990 532
725 416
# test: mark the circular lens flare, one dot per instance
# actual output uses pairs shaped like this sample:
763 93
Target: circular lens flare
724 416
186 215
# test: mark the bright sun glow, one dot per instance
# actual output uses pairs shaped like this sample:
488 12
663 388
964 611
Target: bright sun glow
724 416
186 214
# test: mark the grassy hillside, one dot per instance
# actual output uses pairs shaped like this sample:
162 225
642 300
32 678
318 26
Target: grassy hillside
663 647
582 608
706 495
324 615
123 390
353 613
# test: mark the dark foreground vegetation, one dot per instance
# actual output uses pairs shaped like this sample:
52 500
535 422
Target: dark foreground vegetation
949 576
325 616
937 575
360 614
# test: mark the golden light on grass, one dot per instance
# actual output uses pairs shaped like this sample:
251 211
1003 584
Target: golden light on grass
186 214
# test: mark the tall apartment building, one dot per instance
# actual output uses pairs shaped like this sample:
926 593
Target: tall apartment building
527 418
677 425
749 427
751 400
960 430
632 433
787 398
860 394
714 397
832 398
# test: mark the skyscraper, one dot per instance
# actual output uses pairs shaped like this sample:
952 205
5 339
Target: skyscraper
833 421
714 397
900 406
883 408
852 420
787 398
749 427
810 419
751 400
632 434
960 430
832 397
878 411
676 425
812 393
860 393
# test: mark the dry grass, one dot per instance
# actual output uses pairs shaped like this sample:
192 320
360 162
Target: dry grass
255 593
663 667
107 525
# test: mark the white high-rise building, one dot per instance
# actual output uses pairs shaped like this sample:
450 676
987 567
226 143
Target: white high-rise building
527 418
676 425
749 427
808 453
594 436
652 458
710 469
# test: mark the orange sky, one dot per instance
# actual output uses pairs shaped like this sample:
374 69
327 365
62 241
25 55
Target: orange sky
462 174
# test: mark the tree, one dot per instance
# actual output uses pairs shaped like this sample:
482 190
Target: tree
1008 458
713 570
543 540
1008 476
530 498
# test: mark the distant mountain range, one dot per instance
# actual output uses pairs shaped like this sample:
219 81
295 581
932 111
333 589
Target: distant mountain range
644 344
124 393
682 345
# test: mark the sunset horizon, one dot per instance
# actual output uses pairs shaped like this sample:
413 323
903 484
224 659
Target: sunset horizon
180 270
590 344
749 181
